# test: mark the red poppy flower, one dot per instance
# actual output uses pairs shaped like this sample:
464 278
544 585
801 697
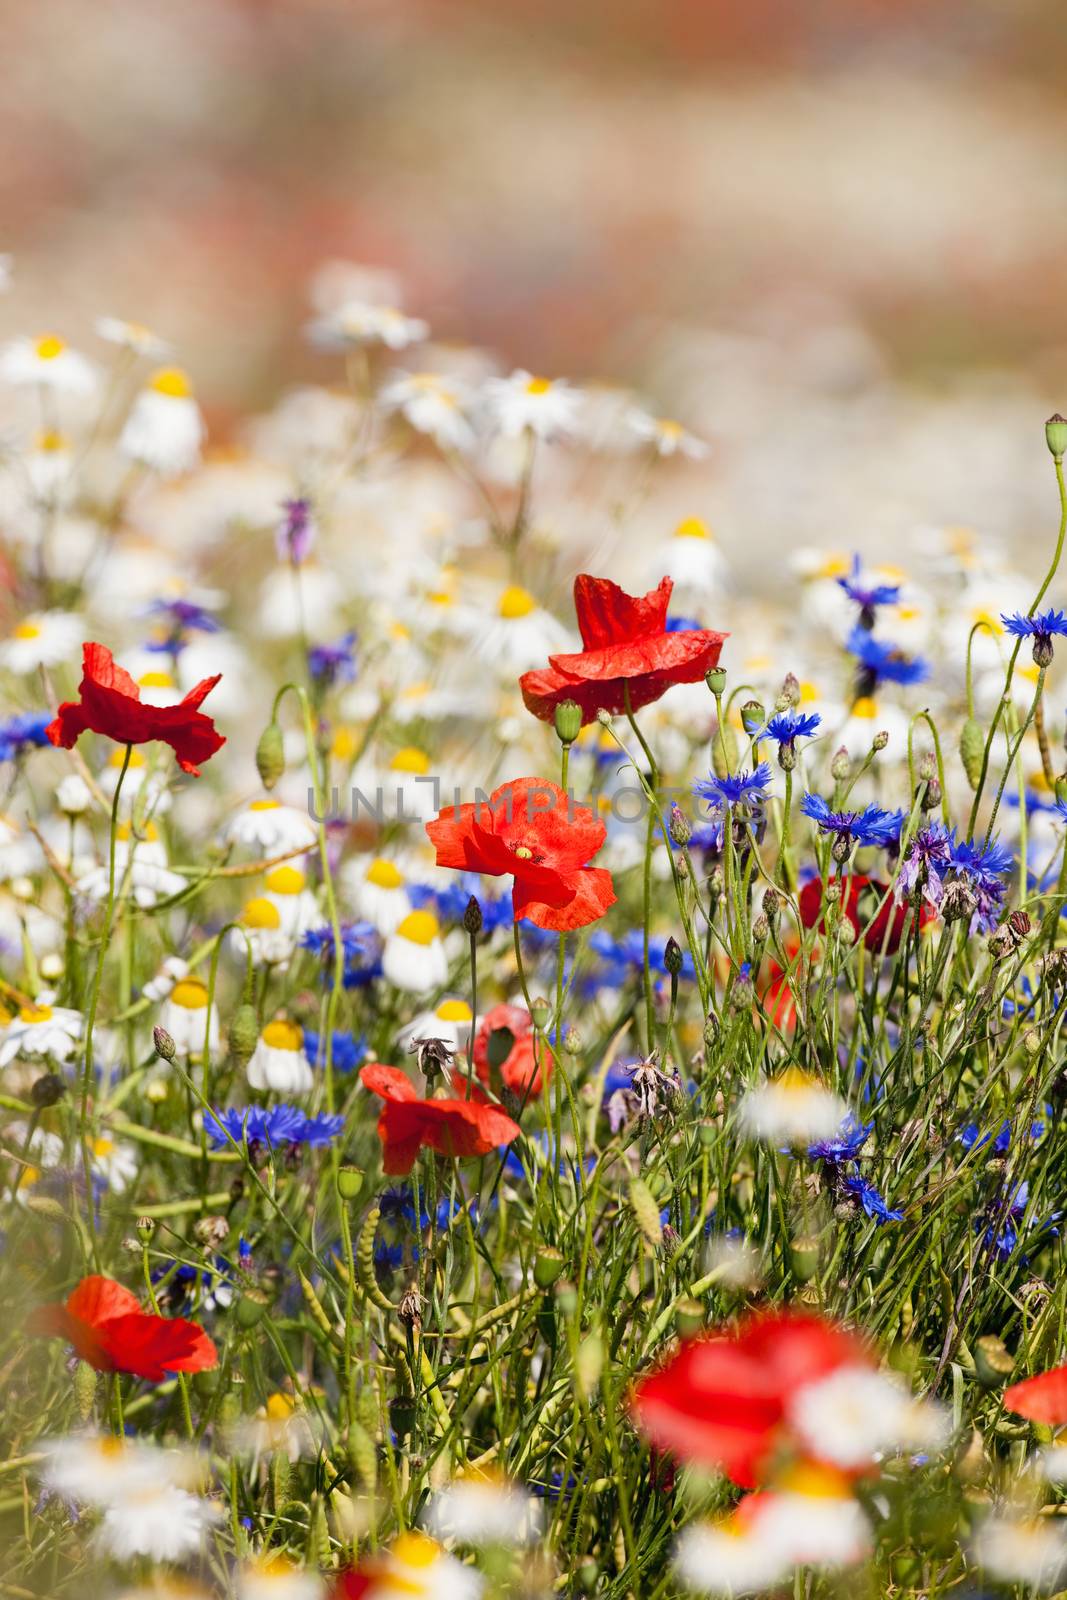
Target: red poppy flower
533 830
860 896
105 1324
721 1399
519 1071
452 1127
1042 1399
625 646
111 704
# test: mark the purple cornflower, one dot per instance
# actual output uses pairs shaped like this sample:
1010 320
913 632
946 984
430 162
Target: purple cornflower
334 663
982 867
928 858
296 532
179 619
1040 629
868 596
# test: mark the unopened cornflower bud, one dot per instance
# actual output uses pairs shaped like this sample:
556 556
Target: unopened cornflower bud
568 720
840 766
711 1030
931 796
772 904
47 1090
716 680
1056 435
270 755
790 691
670 1239
604 718
753 716
572 1040
681 830
927 767
672 957
473 920
760 928
166 1049
880 740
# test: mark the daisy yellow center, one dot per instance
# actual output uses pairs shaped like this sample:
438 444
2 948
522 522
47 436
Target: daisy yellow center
261 913
384 875
50 442
793 1081
149 832
283 1035
279 1567
343 745
190 993
34 1013
439 597
410 759
116 758
111 1446
399 632
692 528
415 691
805 1477
279 1407
102 1148
516 602
988 619
285 880
808 693
454 1011
865 707
264 805
28 630
49 347
538 385
171 381
156 680
419 927
669 428
834 567
415 1550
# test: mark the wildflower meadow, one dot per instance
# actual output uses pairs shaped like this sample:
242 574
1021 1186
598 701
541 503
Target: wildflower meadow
526 1069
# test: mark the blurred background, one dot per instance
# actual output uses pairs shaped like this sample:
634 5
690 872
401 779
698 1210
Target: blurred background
822 218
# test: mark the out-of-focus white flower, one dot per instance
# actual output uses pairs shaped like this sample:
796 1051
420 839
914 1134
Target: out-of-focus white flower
357 322
164 430
48 467
277 1578
160 1521
132 336
433 405
154 801
793 1109
102 1469
691 557
278 1062
140 864
854 1416
116 1163
812 1519
184 1015
73 796
41 1030
378 892
548 407
43 639
451 1021
519 634
286 889
261 931
271 828
484 1509
667 437
726 1558
415 1567
1030 1550
280 1424
866 718
414 957
48 362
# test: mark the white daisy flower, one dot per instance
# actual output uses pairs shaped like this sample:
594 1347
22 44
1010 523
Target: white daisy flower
692 558
520 634
451 1021
433 405
727 1558
548 407
414 957
286 889
1030 1550
102 1469
484 1510
271 828
184 1015
854 1416
43 639
261 932
378 892
278 1062
667 437
793 1109
41 1030
164 430
358 322
277 1578
162 1522
116 1163
132 336
48 362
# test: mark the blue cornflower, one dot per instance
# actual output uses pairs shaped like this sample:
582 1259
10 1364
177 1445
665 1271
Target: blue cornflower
871 826
846 1143
625 956
786 728
683 625
982 867
1000 1228
868 596
449 901
972 1138
741 794
22 733
882 663
1040 629
347 1051
873 1203
361 944
178 619
276 1126
334 663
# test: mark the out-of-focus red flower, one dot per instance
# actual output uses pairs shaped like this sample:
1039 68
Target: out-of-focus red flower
452 1127
111 704
519 1071
1042 1399
721 1399
625 646
776 990
533 830
105 1324
860 896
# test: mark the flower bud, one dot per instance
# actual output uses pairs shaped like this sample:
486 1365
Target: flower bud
688 1317
270 755
880 740
604 718
840 766
716 680
672 957
548 1266
958 902
145 1229
572 1040
931 796
250 1308
473 920
166 1049
1056 435
772 904
972 747
243 1034
681 830
568 720
541 1013
790 695
47 1090
760 928
349 1183
992 1363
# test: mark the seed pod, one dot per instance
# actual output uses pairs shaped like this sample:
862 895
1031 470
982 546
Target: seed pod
270 755
548 1265
349 1183
992 1362
1056 435
716 680
688 1317
568 721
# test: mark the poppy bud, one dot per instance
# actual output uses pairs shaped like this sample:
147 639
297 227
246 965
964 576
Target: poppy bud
568 720
688 1317
672 957
548 1265
244 1033
84 1390
680 827
166 1049
270 755
250 1308
541 1012
472 916
349 1183
753 716
840 766
716 680
804 1258
972 747
992 1363
1056 435
47 1090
